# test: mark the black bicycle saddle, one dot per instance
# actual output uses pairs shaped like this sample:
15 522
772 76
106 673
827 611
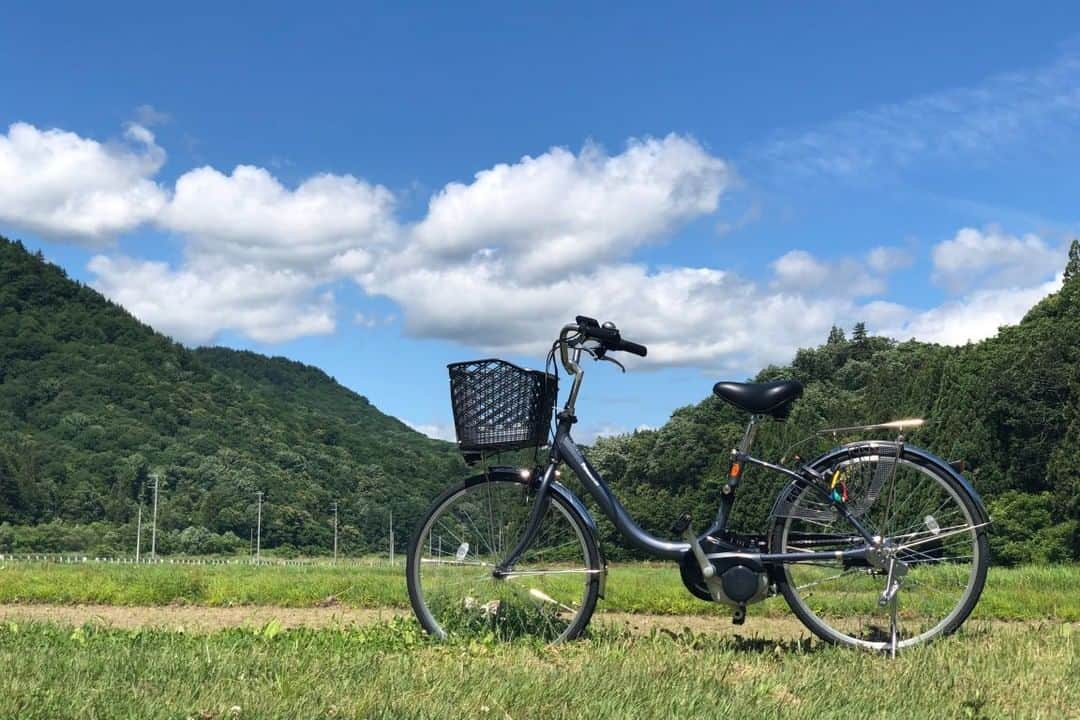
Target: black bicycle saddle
771 398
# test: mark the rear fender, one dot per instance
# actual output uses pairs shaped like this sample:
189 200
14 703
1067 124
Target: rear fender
911 452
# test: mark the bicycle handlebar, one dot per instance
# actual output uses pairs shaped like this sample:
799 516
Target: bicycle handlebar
587 328
608 337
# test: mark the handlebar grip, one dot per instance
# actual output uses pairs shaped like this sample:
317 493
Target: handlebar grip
605 335
609 337
631 347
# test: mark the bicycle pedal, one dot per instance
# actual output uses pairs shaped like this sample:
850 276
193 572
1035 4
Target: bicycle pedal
739 616
680 526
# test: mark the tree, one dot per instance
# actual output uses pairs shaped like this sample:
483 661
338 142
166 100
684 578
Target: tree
858 333
860 341
1072 269
836 336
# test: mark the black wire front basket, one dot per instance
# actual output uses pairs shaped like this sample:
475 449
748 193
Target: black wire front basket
499 406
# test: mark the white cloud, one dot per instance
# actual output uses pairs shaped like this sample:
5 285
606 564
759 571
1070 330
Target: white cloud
258 254
561 212
687 316
589 435
992 258
997 276
750 215
699 317
499 263
436 431
503 262
148 116
972 318
799 272
195 303
70 188
885 259
249 216
1038 107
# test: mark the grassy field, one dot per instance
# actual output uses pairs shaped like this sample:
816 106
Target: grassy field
391 671
1018 657
1026 593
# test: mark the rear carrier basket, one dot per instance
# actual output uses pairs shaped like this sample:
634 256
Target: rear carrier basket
499 406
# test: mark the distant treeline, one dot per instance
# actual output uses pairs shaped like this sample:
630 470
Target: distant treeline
92 403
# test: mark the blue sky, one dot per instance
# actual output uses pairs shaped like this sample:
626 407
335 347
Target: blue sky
380 190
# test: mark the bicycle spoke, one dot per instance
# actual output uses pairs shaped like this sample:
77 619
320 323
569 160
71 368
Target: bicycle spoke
825 580
524 573
940 536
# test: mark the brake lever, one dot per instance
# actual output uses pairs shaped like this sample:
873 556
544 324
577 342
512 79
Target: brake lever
613 360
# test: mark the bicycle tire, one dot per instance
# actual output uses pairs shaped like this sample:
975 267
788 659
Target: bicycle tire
432 616
967 510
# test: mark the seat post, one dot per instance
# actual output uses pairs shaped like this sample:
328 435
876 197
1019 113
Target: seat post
748 436
737 455
727 490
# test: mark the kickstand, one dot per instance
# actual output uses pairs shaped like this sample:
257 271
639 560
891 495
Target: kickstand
891 597
894 632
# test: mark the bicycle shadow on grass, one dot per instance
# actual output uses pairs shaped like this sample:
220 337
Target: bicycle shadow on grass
716 642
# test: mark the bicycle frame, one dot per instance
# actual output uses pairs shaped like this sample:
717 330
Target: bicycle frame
565 450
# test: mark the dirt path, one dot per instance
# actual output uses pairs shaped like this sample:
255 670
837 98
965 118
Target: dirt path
207 619
194 617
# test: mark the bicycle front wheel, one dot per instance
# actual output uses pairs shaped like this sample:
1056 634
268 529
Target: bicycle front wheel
552 590
924 517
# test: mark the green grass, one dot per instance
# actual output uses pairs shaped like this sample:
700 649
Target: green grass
1024 593
392 671
215 585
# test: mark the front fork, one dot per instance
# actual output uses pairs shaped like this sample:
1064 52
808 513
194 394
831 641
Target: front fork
532 526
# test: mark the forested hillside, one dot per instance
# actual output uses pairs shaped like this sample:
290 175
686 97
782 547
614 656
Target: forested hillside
92 403
1008 406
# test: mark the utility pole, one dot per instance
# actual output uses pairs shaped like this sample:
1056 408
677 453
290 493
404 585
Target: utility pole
258 531
138 532
153 532
391 537
335 531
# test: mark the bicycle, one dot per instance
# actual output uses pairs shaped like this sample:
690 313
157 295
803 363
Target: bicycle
875 544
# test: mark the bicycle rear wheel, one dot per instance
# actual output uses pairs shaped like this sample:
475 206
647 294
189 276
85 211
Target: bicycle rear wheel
551 592
926 519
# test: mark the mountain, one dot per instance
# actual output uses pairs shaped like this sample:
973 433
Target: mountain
1008 406
93 402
